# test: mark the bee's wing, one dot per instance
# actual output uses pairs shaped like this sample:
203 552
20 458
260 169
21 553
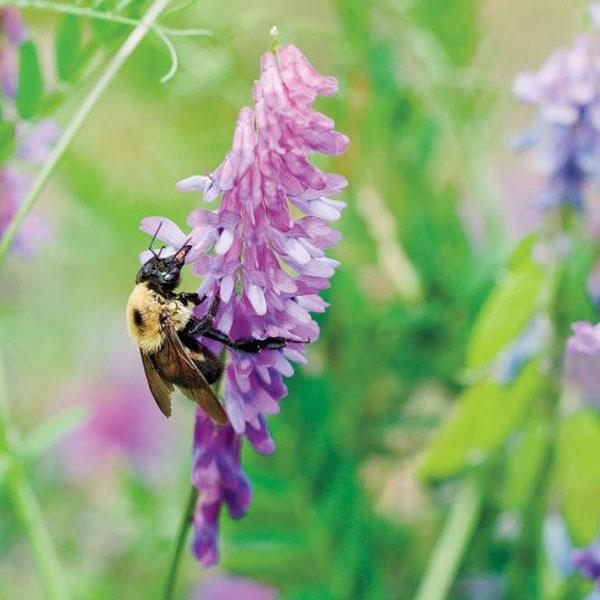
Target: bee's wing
196 387
161 389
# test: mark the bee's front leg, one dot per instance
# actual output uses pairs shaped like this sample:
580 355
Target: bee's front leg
192 297
196 326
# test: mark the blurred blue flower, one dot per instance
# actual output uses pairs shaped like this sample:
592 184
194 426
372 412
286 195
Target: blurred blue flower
524 347
587 561
594 285
582 361
266 265
566 133
557 544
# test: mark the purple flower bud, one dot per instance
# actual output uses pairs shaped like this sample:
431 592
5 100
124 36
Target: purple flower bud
266 264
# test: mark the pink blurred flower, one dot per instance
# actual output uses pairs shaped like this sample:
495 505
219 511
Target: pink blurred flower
228 587
33 142
122 427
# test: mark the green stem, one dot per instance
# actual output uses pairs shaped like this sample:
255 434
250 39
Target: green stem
452 543
79 118
90 13
184 527
27 506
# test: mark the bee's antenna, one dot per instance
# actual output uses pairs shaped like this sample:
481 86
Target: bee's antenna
154 239
160 251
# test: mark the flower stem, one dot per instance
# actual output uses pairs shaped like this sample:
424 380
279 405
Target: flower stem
27 506
452 543
184 527
79 118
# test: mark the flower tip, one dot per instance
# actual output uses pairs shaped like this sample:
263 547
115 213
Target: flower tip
274 33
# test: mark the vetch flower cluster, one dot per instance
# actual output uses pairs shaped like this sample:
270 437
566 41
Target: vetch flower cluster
567 132
32 143
266 264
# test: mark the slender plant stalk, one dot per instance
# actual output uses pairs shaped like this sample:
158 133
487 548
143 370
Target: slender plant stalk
27 506
79 118
452 543
182 533
114 17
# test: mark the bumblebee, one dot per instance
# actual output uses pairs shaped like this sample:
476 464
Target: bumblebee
162 324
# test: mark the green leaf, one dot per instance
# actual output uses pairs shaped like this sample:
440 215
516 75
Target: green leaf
578 474
30 88
52 431
7 140
68 46
508 309
483 418
5 463
523 465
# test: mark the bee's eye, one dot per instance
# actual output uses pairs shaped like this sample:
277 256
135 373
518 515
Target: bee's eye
171 276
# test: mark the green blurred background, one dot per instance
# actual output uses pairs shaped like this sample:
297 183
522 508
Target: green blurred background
436 202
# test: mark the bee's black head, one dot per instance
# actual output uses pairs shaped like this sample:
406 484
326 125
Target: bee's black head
163 273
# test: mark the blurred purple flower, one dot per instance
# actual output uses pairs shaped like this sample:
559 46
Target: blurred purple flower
594 285
566 133
32 142
587 562
122 424
267 266
582 361
227 587
13 32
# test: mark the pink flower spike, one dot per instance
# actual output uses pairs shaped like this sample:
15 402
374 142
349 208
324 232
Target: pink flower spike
266 264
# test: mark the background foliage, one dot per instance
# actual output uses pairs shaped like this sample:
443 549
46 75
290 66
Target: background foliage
394 412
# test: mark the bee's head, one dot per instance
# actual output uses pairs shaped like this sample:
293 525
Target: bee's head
163 272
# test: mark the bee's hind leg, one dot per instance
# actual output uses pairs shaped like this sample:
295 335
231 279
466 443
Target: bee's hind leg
249 345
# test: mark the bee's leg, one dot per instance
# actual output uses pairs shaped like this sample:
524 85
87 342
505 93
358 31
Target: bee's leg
249 345
192 297
199 326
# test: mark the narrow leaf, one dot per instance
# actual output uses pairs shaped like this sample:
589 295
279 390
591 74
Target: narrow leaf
29 90
483 418
578 474
508 309
68 46
524 463
7 140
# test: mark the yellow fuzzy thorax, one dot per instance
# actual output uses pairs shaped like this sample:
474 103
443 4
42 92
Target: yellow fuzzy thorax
144 309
